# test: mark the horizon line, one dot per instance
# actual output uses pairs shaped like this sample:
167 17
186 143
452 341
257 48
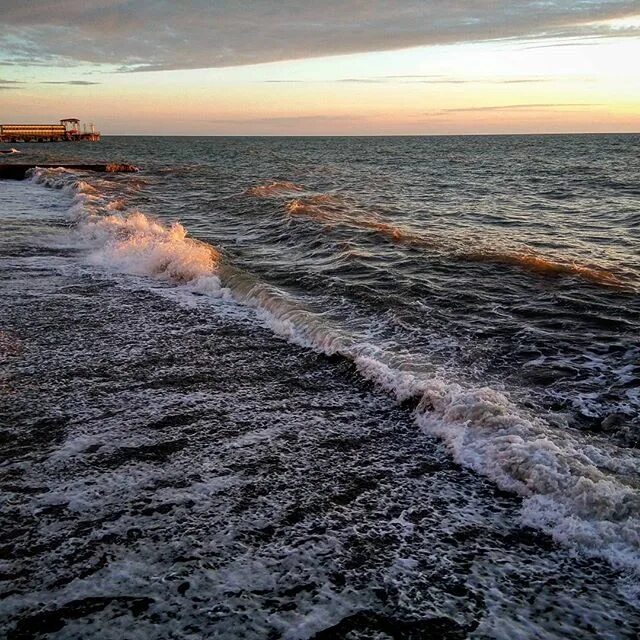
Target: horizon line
365 135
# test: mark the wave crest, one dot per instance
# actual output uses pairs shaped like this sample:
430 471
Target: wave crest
139 245
272 189
130 241
566 494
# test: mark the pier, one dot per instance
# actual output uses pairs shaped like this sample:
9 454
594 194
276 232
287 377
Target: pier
67 131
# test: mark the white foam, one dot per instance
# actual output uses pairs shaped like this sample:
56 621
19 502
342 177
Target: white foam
136 244
56 178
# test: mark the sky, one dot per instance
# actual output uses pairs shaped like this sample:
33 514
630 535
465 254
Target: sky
332 67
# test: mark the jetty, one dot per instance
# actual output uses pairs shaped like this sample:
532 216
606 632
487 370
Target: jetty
67 131
17 171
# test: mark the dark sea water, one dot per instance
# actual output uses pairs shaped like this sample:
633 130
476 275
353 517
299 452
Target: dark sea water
323 387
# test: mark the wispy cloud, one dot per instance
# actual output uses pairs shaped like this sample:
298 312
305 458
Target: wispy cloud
153 35
77 83
19 84
283 120
6 85
413 79
535 106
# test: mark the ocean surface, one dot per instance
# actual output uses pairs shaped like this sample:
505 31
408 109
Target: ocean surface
322 388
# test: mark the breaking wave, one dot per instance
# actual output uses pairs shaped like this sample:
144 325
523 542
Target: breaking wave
575 490
131 241
139 245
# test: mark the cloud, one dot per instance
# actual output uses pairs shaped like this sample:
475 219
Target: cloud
152 34
77 83
512 107
417 79
413 79
15 84
6 85
284 120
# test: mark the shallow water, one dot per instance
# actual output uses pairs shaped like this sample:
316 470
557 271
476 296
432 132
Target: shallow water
489 285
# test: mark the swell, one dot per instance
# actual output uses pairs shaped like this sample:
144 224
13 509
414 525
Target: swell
273 189
333 210
538 263
579 492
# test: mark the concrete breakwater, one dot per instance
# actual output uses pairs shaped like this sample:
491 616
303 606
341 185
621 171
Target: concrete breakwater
19 171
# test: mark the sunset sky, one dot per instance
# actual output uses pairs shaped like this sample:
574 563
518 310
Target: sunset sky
276 67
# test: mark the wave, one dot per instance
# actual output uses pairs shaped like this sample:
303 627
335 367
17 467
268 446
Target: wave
137 244
335 210
275 188
545 265
9 151
332 210
58 178
131 241
571 489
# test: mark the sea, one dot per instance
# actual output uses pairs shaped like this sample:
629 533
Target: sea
322 387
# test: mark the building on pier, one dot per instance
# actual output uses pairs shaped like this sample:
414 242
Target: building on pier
67 131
